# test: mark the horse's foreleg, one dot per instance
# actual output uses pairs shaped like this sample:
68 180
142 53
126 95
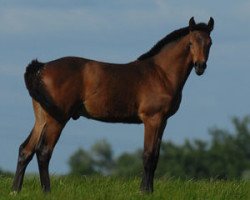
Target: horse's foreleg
154 127
45 149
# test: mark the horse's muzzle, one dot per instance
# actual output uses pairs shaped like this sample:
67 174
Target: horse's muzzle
200 67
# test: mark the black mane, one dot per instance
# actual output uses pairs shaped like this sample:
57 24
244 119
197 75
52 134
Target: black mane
175 35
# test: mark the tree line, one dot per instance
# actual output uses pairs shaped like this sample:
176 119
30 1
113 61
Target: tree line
225 156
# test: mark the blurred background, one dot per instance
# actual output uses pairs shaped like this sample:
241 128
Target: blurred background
120 31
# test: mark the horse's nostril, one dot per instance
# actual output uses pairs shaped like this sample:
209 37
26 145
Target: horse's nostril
200 64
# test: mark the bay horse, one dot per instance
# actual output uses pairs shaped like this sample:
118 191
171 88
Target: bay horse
147 90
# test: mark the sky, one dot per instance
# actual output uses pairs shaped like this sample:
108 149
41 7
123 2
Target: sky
120 31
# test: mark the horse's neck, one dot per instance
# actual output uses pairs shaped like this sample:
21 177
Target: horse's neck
175 62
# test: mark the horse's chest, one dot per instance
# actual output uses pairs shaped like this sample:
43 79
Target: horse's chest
175 104
165 104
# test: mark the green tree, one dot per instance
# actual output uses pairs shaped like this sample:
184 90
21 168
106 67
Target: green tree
129 164
102 156
97 161
229 152
81 163
183 161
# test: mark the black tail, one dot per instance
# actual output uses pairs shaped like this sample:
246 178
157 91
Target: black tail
32 78
37 89
33 81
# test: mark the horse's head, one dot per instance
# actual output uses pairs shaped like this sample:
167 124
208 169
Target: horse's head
200 43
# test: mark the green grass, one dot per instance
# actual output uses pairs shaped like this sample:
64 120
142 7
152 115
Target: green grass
118 188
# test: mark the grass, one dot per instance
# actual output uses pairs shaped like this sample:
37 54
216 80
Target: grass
109 188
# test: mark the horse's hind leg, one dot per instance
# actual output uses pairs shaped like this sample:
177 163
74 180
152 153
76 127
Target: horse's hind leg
45 149
24 158
27 149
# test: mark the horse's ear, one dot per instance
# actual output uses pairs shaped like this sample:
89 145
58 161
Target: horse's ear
210 24
191 24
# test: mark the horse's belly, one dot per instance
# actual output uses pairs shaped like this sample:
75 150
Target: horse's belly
111 111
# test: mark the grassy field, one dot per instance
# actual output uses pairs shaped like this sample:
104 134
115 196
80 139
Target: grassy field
117 188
